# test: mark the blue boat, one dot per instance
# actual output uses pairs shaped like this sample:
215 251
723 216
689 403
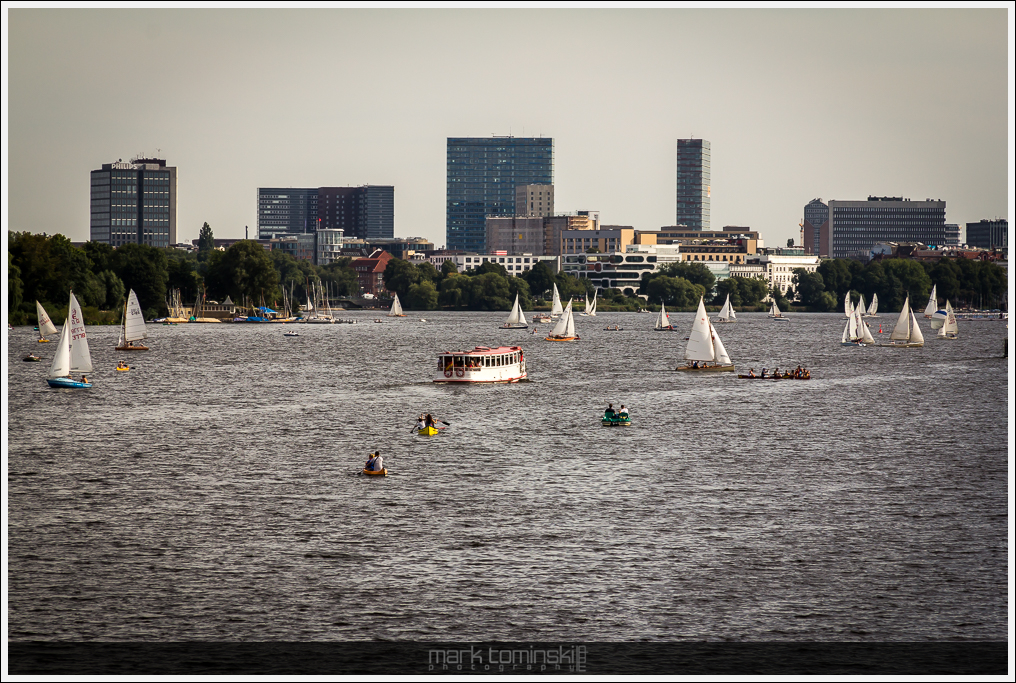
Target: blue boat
71 357
67 383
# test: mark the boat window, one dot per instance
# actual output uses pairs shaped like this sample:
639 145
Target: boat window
459 361
448 362
440 362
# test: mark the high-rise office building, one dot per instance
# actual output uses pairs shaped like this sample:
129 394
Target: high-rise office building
286 211
483 174
857 226
988 234
534 200
693 190
816 215
365 212
134 202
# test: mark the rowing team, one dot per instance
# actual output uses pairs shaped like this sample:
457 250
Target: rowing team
800 372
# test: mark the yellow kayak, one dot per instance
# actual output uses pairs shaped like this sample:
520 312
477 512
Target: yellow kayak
123 369
427 431
382 473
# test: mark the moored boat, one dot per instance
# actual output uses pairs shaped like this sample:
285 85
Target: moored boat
482 365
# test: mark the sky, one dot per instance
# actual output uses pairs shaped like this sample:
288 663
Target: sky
796 103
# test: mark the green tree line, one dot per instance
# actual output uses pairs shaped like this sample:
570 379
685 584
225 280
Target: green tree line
45 268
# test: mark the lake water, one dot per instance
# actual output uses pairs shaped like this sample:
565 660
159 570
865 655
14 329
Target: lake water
212 492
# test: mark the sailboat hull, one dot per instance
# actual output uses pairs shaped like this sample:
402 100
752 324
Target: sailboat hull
506 326
903 345
561 339
664 329
67 383
706 368
132 348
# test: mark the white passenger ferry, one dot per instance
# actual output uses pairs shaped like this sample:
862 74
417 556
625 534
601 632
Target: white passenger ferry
482 364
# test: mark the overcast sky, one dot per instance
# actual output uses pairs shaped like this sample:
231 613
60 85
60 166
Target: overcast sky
797 103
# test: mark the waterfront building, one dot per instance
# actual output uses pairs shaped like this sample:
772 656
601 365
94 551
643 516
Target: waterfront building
224 243
401 247
778 265
370 271
606 239
300 247
718 251
816 219
952 235
857 226
327 245
482 177
286 211
554 226
693 189
988 234
367 212
134 202
621 269
515 234
681 234
515 264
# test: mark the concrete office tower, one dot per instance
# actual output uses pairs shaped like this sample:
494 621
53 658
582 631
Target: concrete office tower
483 174
816 216
693 190
857 226
365 212
988 234
286 211
134 202
534 200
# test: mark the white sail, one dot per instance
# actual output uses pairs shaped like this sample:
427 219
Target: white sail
860 305
846 332
863 333
46 325
561 329
396 307
852 327
664 319
81 360
873 309
901 332
932 306
949 327
134 320
516 317
727 312
774 312
593 311
848 308
915 332
555 307
700 343
718 349
61 366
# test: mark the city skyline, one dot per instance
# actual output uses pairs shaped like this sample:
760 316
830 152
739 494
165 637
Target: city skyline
910 102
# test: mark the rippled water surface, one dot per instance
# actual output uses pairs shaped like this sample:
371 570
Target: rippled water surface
212 492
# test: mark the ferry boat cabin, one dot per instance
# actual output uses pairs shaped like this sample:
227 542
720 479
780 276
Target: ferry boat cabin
482 364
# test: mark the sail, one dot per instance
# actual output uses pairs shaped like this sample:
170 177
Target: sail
593 311
664 319
718 350
555 307
396 307
725 312
61 366
775 310
848 308
852 327
846 332
902 330
46 325
932 306
516 317
587 308
569 330
81 360
561 328
873 309
915 332
863 333
700 343
860 305
949 327
134 320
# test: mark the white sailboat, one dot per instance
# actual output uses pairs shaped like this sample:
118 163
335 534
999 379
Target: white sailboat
726 313
932 306
663 321
396 311
590 309
873 309
565 328
949 329
555 306
848 308
775 314
132 327
860 307
856 332
72 352
516 319
906 333
46 325
705 351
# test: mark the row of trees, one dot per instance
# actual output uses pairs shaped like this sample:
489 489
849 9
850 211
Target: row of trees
45 268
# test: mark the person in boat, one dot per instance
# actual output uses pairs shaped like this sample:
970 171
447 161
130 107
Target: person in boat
763 375
375 462
776 373
421 423
84 380
623 412
694 365
751 372
429 420
609 414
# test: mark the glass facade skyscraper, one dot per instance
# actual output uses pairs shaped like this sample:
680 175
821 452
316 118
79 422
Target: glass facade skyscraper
366 212
855 227
134 202
693 190
482 176
286 211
